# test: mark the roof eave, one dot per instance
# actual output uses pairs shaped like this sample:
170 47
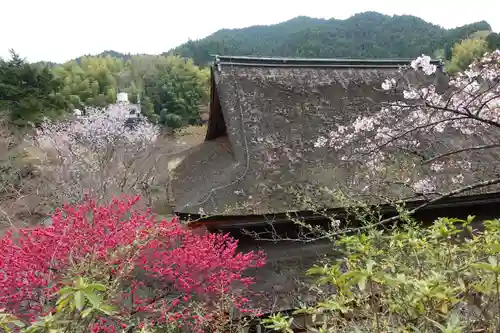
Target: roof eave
242 221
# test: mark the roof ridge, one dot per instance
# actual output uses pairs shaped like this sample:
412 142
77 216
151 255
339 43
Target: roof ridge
248 61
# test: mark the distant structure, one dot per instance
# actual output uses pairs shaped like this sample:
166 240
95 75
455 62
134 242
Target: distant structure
139 102
134 111
122 98
134 116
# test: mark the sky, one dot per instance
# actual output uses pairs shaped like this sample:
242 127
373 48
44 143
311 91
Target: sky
60 30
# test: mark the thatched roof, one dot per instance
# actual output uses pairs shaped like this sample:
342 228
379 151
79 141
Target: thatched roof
265 116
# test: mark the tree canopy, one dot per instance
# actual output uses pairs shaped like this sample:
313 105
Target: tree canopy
172 87
28 93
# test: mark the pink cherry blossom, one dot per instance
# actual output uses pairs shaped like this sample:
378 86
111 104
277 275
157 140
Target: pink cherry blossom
94 153
421 122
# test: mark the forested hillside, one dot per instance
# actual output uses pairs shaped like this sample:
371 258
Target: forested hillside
107 53
364 35
172 89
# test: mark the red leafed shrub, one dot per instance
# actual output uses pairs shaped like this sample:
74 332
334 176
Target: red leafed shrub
131 252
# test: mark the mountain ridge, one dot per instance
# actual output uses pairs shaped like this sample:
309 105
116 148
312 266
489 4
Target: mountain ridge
363 35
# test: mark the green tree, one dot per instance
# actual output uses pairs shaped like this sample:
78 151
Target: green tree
465 52
93 79
176 90
493 40
448 52
28 92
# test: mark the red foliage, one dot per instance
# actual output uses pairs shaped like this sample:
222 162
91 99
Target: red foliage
183 265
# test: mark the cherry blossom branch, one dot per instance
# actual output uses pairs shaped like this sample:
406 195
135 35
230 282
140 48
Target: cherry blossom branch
468 106
474 186
464 114
462 150
331 235
476 97
485 103
414 129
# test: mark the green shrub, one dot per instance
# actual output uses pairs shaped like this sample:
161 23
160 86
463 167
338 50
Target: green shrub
445 278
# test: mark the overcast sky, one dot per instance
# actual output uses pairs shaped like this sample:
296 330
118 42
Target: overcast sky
60 30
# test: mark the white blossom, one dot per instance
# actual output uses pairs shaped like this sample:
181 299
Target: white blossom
335 223
437 166
466 98
320 142
467 109
96 129
364 124
410 94
424 63
388 84
457 179
92 153
424 186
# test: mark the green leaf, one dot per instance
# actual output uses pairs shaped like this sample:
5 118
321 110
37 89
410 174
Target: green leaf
362 283
62 298
369 265
96 286
495 247
332 306
31 329
65 291
484 266
62 302
444 307
303 311
493 261
93 298
440 296
86 312
79 300
107 309
316 270
79 282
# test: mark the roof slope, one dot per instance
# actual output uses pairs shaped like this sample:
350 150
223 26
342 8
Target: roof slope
274 110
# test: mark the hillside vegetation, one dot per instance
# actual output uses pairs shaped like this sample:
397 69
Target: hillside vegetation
172 89
364 35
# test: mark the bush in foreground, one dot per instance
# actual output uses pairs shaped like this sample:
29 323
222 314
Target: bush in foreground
445 278
103 267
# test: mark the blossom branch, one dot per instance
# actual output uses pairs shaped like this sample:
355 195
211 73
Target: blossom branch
461 150
325 234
